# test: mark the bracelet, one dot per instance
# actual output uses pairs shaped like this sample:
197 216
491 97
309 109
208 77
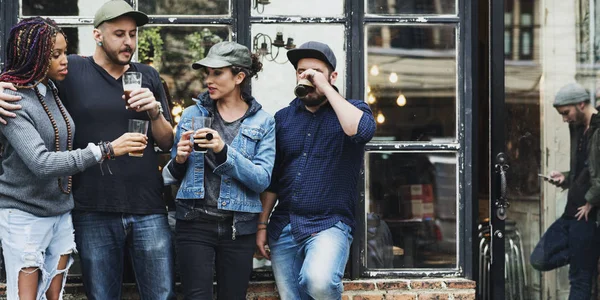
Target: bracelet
160 111
262 228
104 150
111 150
263 223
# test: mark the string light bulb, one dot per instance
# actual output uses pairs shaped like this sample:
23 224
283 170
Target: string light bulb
393 77
374 70
380 118
177 109
371 99
401 101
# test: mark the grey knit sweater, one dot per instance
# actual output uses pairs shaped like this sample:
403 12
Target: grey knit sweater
30 164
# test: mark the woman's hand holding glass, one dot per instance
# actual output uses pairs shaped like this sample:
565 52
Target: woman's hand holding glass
210 139
129 142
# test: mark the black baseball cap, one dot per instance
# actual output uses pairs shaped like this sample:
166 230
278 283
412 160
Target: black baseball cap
116 8
312 49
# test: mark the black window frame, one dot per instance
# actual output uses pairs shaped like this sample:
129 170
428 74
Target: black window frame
355 21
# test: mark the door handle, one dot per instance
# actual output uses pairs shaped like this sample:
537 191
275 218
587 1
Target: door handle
501 202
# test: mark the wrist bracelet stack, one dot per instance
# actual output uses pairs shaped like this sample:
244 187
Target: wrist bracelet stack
107 150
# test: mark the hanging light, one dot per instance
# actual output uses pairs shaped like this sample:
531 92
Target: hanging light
401 101
368 89
374 70
177 119
371 99
380 118
278 42
393 77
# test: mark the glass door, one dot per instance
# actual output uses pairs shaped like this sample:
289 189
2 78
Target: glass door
535 48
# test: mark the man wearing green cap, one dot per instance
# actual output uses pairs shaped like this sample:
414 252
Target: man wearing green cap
573 238
119 204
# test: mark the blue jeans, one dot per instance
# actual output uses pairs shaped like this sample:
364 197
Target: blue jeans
205 246
38 242
102 238
312 268
568 241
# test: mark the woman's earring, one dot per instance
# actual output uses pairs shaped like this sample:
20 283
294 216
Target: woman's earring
100 44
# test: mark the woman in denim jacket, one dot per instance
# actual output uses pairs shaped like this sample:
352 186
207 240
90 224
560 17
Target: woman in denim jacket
218 200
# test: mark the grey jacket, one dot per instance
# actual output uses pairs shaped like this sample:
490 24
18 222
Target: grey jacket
31 165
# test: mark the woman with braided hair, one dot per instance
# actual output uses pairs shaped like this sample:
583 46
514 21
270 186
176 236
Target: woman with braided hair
35 183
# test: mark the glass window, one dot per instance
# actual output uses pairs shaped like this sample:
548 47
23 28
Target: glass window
185 7
411 81
392 7
60 7
274 87
411 210
304 8
172 50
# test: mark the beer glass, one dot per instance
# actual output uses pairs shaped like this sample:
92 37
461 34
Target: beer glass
139 126
198 123
131 81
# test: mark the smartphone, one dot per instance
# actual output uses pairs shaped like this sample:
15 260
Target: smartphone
547 178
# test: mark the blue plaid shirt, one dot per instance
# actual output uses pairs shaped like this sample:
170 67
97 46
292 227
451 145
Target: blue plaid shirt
316 169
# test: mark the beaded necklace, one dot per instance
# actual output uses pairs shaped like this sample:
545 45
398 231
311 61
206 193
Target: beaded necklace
56 133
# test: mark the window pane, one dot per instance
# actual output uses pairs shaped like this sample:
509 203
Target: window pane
80 39
61 7
411 210
304 8
411 81
391 7
185 7
181 47
274 88
151 7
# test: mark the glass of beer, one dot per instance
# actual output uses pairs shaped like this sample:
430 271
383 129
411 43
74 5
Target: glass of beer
139 126
198 123
131 81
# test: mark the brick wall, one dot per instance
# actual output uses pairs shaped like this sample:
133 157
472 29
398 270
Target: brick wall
377 289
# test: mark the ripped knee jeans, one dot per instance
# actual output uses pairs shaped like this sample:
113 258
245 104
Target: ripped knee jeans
35 243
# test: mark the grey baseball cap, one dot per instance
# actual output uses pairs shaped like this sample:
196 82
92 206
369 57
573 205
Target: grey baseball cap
312 49
225 54
570 94
116 8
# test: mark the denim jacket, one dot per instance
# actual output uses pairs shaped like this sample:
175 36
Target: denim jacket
245 173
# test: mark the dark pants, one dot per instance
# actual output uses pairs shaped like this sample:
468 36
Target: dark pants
203 245
568 241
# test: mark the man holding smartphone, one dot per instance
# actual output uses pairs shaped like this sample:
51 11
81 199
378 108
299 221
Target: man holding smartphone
573 238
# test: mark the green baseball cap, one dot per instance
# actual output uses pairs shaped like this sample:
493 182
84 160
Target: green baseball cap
225 54
116 8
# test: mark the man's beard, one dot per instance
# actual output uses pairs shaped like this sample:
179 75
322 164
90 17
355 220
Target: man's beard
313 101
115 58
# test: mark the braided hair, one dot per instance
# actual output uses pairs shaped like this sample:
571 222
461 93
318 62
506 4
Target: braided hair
29 51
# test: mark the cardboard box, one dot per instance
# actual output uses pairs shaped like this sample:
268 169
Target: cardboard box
417 200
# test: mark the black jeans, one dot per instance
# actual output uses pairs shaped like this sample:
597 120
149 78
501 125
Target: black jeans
568 241
202 245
